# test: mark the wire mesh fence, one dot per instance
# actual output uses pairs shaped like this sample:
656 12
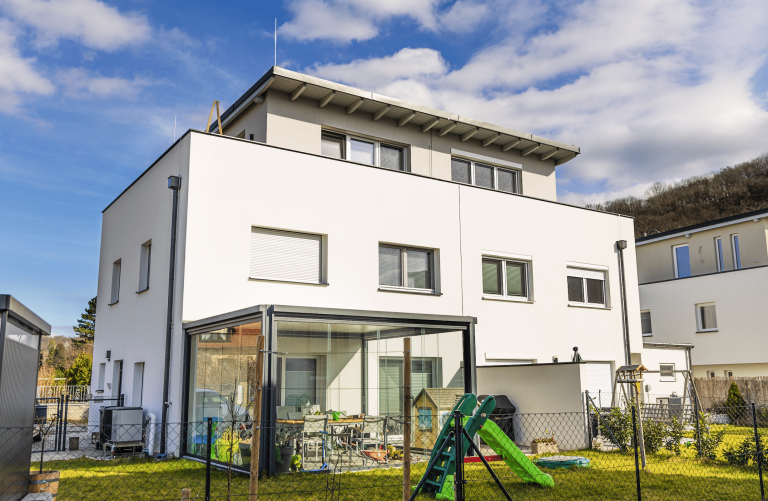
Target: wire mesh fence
581 455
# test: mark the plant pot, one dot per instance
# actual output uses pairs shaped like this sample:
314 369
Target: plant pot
45 481
286 453
544 448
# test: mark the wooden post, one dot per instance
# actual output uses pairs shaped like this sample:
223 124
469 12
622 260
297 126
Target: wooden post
258 380
186 494
407 419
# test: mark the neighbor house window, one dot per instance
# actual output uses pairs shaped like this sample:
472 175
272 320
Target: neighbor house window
505 278
645 323
710 373
487 176
682 260
144 261
115 282
719 254
363 150
286 256
728 373
706 317
586 287
425 419
667 372
736 253
406 267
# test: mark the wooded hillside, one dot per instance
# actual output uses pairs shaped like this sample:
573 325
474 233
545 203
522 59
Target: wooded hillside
730 191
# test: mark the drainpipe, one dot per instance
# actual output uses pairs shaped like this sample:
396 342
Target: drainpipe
621 245
174 183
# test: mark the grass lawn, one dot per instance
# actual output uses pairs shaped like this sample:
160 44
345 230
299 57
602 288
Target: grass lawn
611 476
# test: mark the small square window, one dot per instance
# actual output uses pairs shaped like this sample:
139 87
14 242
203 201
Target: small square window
406 267
710 373
332 145
425 419
728 373
505 278
484 175
706 317
667 372
586 287
392 157
461 171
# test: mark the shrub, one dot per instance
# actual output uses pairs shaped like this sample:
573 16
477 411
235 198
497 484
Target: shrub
653 435
708 441
746 452
736 407
674 436
620 424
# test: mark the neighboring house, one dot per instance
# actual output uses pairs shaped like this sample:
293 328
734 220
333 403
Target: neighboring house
373 219
706 285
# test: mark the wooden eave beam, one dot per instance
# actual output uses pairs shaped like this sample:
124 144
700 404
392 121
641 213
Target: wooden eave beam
298 91
447 128
490 140
531 149
354 106
429 125
406 119
469 134
549 155
380 113
511 144
326 99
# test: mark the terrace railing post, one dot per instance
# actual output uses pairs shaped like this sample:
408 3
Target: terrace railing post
407 416
759 452
637 464
458 477
208 460
64 423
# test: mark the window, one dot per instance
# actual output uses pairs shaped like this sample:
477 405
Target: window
728 373
138 384
362 150
487 176
645 323
115 283
100 380
682 261
146 253
586 287
505 278
710 373
719 254
406 267
286 256
425 419
706 317
736 253
667 372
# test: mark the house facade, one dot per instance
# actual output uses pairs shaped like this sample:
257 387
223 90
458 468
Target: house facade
337 222
704 285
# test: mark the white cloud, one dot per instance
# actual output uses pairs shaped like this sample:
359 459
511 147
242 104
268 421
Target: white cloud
95 24
18 75
463 16
660 90
80 83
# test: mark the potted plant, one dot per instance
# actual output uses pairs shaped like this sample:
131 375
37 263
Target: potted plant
544 445
283 451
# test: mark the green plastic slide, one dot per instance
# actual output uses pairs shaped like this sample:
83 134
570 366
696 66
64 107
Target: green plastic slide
512 456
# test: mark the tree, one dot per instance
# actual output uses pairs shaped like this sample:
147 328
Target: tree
80 371
58 359
736 406
86 324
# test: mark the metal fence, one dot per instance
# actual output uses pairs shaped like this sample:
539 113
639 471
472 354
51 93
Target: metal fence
55 391
582 455
71 420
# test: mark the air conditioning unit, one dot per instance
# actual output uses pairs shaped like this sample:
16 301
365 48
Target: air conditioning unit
662 400
121 424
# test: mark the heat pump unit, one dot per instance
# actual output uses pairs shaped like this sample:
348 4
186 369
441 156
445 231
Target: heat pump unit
121 424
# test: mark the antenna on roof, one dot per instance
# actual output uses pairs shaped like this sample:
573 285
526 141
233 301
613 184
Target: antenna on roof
571 126
275 41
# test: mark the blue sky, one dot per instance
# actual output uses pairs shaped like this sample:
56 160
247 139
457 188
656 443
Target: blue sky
658 90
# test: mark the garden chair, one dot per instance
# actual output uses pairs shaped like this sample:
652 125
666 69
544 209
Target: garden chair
372 435
314 432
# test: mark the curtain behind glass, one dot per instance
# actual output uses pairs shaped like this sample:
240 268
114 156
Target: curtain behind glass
460 171
391 157
484 176
491 276
575 290
515 279
390 267
595 291
507 180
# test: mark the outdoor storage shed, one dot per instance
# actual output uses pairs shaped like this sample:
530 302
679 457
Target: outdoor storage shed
20 332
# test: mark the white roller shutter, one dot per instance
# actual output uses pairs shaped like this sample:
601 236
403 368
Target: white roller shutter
585 273
284 255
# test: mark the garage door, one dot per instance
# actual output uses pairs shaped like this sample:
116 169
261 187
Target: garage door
599 383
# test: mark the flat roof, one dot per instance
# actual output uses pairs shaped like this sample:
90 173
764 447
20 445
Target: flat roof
24 314
326 92
707 225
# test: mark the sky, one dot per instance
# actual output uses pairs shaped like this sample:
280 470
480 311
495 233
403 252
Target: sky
92 92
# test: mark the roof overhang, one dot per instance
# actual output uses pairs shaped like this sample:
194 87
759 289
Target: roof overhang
755 216
378 106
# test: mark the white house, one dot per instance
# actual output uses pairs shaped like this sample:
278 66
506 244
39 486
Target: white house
704 285
336 222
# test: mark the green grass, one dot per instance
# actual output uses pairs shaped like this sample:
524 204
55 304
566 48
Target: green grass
611 476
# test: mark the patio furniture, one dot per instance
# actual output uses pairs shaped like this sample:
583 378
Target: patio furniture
372 434
314 432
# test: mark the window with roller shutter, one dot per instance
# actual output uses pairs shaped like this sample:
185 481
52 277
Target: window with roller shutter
286 256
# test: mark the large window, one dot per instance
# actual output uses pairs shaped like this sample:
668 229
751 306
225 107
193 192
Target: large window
706 317
286 256
363 150
682 260
505 278
645 323
586 287
736 252
485 175
406 267
719 254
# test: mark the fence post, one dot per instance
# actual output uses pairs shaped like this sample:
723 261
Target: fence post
208 460
698 428
759 452
637 465
64 423
258 382
59 414
589 419
458 476
407 416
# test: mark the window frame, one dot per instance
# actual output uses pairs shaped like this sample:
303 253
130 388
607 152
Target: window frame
650 318
377 143
145 266
699 328
114 291
518 185
605 305
421 418
674 259
710 374
736 251
404 269
504 296
322 259
725 373
667 379
719 254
